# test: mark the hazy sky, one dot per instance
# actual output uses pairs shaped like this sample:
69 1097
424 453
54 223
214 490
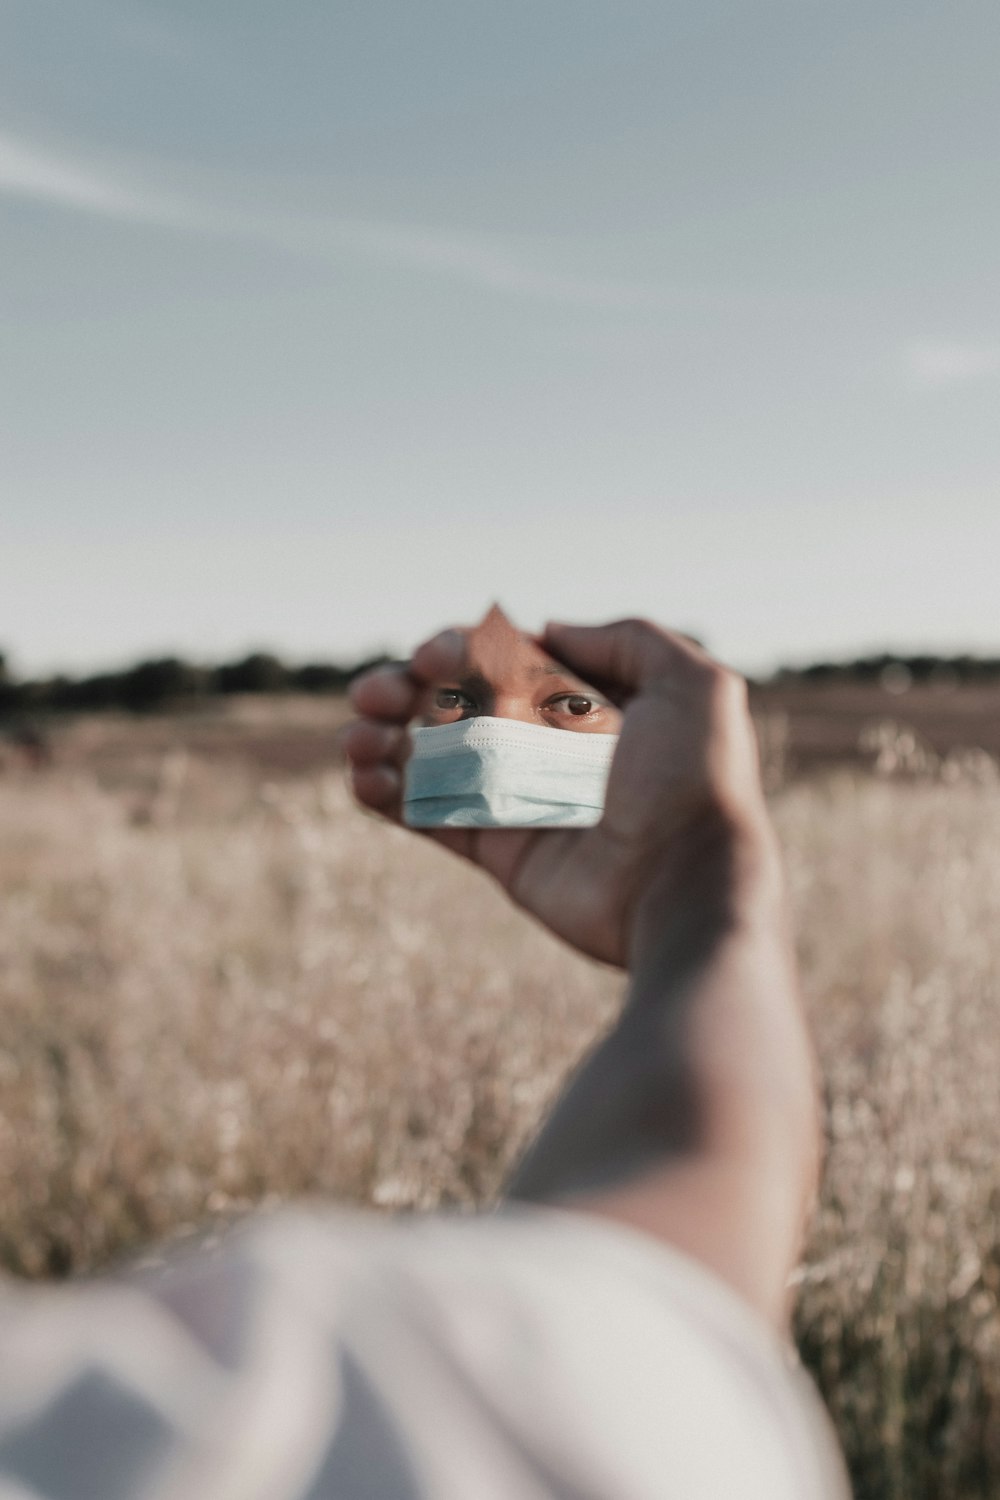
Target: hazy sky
322 324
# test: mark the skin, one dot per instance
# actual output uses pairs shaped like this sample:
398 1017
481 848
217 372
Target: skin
696 1120
508 676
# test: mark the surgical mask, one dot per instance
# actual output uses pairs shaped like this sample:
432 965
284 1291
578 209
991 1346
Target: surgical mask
500 773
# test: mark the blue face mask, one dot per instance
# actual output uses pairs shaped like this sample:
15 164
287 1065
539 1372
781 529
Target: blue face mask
501 773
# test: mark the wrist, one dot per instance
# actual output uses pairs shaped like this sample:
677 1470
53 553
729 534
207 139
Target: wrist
721 876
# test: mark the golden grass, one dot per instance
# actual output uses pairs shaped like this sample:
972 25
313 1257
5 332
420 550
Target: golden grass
219 991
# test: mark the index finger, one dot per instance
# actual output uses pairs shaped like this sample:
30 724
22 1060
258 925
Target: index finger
626 655
392 693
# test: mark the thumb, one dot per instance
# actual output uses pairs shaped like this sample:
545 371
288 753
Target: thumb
622 656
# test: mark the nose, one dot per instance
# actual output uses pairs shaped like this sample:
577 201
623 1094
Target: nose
514 706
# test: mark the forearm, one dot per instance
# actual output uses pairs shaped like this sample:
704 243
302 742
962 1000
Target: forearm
699 1108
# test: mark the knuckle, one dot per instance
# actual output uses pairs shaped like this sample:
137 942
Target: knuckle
348 736
727 689
736 686
359 688
379 688
648 647
640 625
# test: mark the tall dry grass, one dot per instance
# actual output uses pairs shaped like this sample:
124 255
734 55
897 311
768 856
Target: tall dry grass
217 992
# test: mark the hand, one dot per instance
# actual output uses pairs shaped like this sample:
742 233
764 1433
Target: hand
684 781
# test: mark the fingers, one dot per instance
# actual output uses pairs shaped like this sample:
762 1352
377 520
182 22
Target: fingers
443 656
386 693
386 699
379 788
367 742
626 655
377 753
392 693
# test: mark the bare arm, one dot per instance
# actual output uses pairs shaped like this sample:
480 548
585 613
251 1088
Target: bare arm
695 1120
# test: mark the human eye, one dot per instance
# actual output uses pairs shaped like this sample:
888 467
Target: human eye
454 701
575 705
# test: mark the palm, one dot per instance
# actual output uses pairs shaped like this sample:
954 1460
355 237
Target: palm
564 877
581 883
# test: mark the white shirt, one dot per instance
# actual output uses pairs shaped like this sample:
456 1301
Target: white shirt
525 1354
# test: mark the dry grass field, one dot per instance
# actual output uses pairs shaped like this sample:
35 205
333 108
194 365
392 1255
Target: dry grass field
221 986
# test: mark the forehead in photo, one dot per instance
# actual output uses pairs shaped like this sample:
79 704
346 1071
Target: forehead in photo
507 675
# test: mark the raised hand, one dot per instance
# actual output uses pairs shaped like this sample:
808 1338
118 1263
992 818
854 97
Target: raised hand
685 776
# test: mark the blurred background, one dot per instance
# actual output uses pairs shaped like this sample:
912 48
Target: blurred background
327 325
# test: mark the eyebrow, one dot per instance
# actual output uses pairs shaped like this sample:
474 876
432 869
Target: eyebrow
553 669
476 683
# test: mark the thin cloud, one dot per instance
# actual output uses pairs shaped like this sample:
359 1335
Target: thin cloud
32 172
929 364
44 175
467 258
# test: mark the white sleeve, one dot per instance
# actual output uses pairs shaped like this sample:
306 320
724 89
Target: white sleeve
528 1354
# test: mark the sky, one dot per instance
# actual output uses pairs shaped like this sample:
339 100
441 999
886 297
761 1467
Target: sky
323 325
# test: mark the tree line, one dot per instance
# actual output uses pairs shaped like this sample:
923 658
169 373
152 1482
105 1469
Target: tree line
169 682
901 670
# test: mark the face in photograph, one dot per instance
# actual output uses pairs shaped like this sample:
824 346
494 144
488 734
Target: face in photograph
509 676
490 749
